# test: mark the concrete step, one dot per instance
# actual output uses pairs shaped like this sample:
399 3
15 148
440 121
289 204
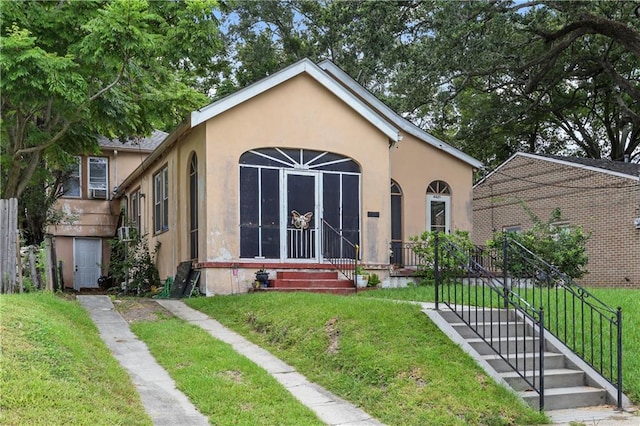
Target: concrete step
504 345
498 329
310 283
331 290
553 378
307 275
552 360
565 398
479 316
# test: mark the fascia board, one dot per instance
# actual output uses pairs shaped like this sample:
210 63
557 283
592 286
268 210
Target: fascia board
396 119
305 65
579 166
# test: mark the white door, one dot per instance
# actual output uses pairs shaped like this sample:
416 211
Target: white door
438 213
87 257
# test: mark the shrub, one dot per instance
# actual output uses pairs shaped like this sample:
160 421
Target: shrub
424 248
134 261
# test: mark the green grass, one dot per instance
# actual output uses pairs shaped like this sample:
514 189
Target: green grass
55 369
628 300
387 358
225 386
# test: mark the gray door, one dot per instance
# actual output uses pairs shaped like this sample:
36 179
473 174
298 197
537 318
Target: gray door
87 256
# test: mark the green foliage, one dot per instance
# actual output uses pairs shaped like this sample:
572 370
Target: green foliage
75 70
134 264
374 280
561 246
424 248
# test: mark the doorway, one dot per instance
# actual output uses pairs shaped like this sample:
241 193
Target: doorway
87 257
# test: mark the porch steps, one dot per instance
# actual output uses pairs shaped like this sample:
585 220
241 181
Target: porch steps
312 281
566 386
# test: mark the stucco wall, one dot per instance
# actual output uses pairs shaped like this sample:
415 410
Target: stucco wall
414 165
604 205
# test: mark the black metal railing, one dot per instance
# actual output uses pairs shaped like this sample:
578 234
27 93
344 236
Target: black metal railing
402 255
511 327
584 323
512 278
339 251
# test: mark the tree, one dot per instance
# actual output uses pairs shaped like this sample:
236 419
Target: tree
542 76
73 70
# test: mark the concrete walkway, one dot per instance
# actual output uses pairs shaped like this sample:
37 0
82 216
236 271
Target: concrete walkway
164 403
328 407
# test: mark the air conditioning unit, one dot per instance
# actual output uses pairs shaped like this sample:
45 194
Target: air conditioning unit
99 194
636 222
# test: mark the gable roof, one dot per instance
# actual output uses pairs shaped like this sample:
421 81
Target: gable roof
614 168
146 144
394 117
300 67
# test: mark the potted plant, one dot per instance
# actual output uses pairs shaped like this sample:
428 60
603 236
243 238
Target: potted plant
362 277
262 276
374 280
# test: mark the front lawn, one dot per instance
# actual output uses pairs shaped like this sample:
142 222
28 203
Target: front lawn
55 369
387 358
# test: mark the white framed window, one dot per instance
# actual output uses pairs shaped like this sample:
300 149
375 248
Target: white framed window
516 229
438 207
98 177
161 200
72 187
134 217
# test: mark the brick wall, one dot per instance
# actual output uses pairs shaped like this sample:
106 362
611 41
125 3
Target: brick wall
603 204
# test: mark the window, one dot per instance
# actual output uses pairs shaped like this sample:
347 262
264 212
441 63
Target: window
516 229
161 201
396 223
438 207
135 210
71 186
98 177
193 206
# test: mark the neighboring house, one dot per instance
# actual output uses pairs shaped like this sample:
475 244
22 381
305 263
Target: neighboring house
602 196
90 216
226 189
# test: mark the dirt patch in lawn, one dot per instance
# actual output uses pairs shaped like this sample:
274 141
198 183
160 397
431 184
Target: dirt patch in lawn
140 309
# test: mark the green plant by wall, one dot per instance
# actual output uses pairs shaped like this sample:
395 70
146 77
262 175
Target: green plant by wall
424 248
133 263
562 246
374 280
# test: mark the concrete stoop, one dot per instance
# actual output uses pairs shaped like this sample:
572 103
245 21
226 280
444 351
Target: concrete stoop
569 383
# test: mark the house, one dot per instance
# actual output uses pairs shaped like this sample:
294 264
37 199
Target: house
250 181
602 196
90 216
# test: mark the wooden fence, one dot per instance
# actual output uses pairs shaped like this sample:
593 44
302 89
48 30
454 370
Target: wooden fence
9 245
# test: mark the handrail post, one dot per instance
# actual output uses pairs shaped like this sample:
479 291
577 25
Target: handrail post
355 267
504 270
541 355
619 319
436 275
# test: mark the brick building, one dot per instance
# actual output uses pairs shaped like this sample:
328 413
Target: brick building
602 196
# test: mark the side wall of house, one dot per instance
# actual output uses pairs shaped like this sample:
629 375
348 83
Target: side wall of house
414 165
603 204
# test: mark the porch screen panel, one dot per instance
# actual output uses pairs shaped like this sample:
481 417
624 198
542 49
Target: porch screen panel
351 207
270 213
331 199
249 218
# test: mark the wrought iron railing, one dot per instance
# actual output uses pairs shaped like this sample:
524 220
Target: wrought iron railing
513 278
512 327
402 255
587 325
339 251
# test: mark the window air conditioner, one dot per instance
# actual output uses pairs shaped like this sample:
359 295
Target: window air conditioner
636 222
99 194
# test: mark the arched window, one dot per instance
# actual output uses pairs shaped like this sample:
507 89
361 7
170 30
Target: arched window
439 207
280 185
193 206
396 224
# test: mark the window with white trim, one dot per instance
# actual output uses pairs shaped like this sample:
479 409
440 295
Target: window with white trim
438 207
72 187
134 218
98 177
161 201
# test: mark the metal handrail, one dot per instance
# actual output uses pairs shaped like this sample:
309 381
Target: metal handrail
472 292
340 252
584 323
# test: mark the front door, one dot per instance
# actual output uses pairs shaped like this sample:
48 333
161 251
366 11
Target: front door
87 256
300 232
